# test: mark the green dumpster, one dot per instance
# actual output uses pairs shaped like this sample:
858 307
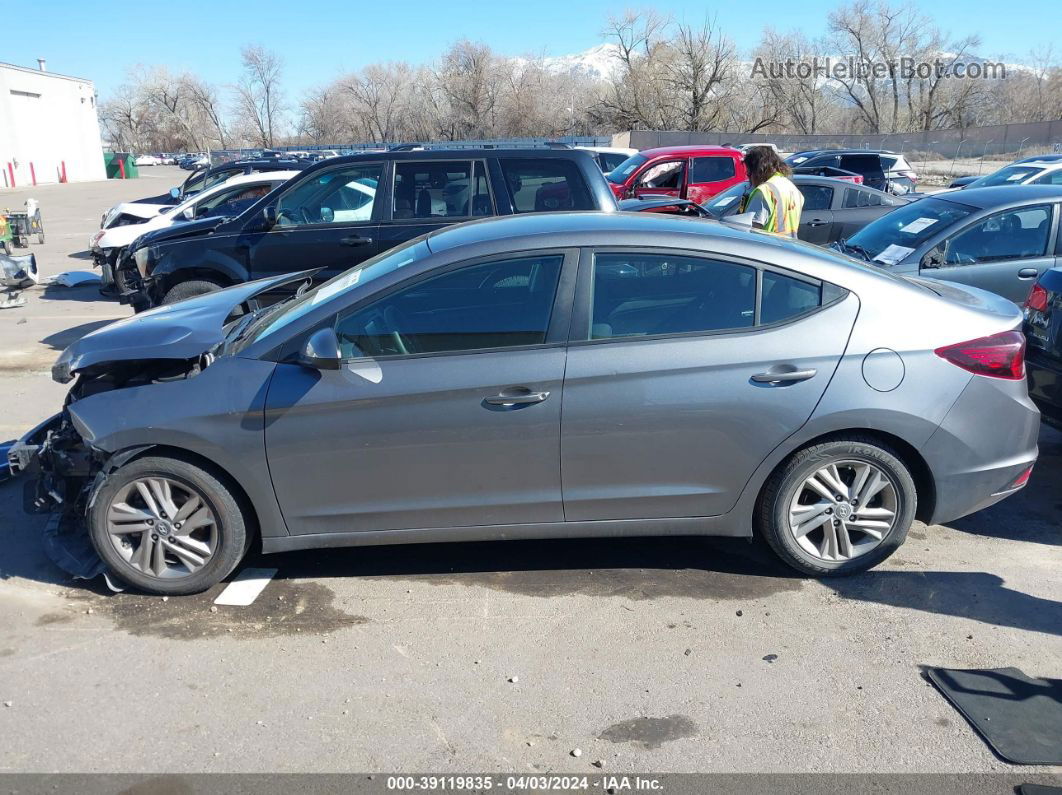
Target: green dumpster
118 163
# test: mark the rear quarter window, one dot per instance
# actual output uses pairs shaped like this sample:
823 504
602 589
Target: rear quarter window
545 185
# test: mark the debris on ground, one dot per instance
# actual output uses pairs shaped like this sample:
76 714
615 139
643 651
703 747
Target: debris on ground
770 658
577 752
72 279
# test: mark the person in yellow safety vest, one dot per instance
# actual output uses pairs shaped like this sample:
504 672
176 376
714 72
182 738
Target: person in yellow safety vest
774 200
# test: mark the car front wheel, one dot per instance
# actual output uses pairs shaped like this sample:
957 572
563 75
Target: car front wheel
167 526
189 289
839 507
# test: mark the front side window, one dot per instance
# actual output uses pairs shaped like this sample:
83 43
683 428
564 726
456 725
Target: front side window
340 196
1014 234
639 294
816 197
497 304
440 189
712 169
545 185
667 175
1050 178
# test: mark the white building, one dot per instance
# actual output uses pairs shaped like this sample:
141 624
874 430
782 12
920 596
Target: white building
49 130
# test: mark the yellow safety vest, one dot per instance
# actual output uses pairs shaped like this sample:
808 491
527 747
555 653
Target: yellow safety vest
784 202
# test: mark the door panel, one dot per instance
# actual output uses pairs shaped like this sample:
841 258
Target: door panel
328 220
674 427
1011 279
816 226
399 443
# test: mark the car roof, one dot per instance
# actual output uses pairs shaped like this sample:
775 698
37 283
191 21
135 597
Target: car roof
261 176
456 154
983 198
1045 164
691 150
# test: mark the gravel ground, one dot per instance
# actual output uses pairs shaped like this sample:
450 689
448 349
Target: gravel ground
680 655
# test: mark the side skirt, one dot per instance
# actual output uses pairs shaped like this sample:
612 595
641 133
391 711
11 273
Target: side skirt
699 526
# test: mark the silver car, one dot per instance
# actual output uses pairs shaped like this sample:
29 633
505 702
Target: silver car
539 377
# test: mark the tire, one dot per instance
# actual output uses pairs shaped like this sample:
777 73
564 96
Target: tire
190 289
788 505
119 526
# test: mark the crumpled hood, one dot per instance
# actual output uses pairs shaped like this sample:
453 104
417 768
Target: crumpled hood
179 331
202 226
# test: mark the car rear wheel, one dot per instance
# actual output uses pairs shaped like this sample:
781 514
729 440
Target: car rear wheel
189 289
167 526
839 507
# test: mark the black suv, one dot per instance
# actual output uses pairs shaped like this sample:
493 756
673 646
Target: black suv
344 210
881 169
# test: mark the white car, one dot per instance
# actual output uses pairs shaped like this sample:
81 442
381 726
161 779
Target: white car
1031 172
147 160
242 189
608 157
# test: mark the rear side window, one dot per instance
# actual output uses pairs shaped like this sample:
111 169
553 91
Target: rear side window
640 295
712 169
854 197
816 197
440 189
644 294
545 185
785 297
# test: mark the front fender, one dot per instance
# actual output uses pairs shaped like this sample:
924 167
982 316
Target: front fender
212 256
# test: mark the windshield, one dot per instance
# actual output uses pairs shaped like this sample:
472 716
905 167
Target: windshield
1011 175
619 174
720 204
272 321
895 235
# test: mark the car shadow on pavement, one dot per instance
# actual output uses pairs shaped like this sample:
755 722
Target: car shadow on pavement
979 596
60 340
84 293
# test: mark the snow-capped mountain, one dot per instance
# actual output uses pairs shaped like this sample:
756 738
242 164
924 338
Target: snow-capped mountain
599 62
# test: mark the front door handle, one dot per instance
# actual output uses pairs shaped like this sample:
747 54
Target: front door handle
783 377
516 398
817 222
355 240
1028 273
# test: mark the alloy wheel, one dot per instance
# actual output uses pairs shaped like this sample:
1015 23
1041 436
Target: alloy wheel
843 510
162 527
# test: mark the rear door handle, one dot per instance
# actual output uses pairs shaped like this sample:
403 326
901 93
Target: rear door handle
355 240
1027 273
521 398
817 222
784 378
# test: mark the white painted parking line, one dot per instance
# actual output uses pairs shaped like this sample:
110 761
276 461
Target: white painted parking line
245 588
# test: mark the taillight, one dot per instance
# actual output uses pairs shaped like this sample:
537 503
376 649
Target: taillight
1021 480
1037 299
999 356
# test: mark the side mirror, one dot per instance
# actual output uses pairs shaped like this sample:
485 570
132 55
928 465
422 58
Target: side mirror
175 193
321 350
269 217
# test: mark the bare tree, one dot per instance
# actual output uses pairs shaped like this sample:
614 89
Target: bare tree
259 96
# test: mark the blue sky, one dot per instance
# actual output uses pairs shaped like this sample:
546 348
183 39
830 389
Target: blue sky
322 38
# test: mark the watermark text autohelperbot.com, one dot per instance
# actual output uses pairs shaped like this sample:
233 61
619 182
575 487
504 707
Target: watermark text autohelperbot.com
851 67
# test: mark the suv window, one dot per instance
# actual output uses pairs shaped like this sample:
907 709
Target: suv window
712 169
816 197
440 189
541 185
1012 234
610 160
642 294
339 196
854 197
498 304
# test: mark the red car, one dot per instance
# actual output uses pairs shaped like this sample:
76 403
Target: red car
687 172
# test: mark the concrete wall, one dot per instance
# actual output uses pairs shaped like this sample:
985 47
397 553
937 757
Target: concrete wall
47 121
1002 139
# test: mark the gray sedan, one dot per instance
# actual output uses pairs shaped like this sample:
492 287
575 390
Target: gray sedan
999 239
541 376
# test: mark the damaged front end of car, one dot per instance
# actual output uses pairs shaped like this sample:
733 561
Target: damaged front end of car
64 461
64 471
